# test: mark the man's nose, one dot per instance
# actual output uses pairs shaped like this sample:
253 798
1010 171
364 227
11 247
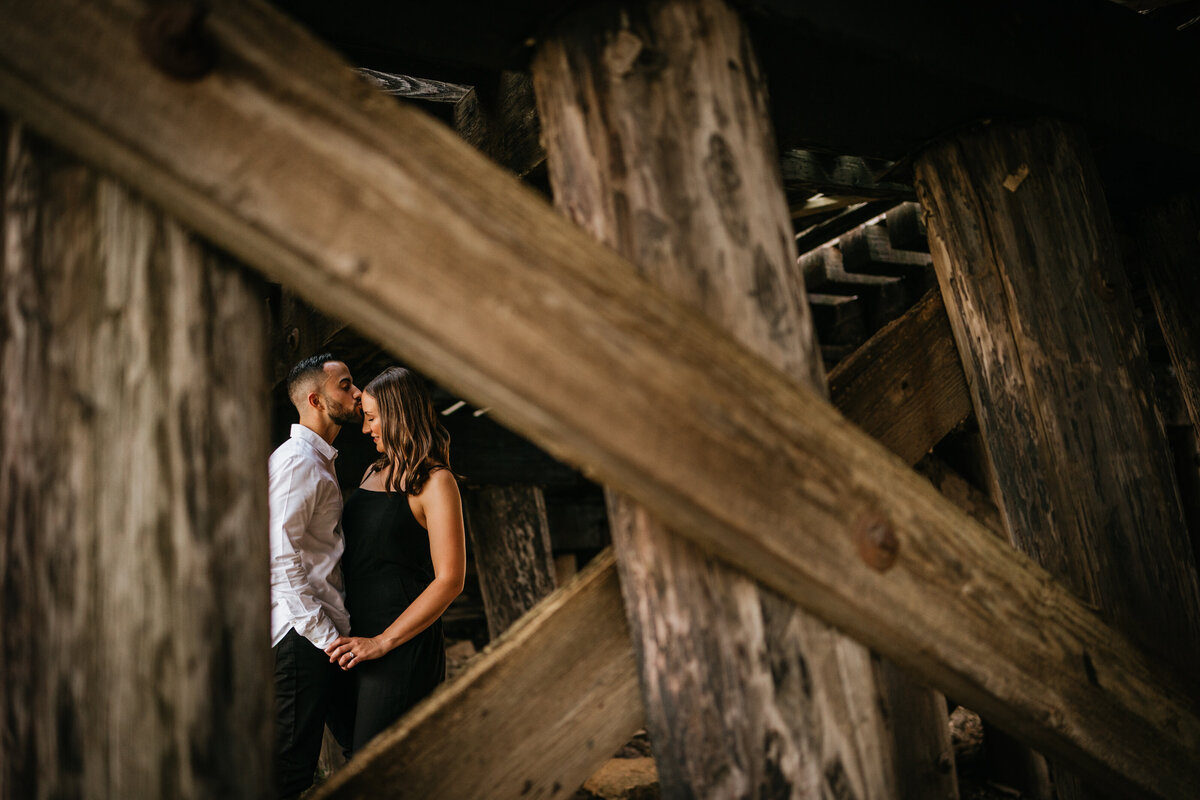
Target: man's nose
355 392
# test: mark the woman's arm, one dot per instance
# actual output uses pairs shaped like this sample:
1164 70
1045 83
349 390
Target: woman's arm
439 509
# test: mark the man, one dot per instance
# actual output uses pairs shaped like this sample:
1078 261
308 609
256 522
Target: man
308 608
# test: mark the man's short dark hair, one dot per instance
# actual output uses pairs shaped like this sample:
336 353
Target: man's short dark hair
302 377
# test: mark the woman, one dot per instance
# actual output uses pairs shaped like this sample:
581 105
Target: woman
405 555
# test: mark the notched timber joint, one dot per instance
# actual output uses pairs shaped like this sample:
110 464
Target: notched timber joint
172 38
876 541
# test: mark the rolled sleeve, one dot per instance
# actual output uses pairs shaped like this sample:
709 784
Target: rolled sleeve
296 488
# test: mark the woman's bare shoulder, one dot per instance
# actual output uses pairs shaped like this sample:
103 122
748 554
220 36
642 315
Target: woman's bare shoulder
441 479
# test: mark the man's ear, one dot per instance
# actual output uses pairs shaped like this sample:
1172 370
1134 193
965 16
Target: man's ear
314 401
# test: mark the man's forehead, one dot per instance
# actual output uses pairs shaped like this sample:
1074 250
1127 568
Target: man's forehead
335 371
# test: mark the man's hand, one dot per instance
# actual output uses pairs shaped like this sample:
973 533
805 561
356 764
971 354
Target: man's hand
349 651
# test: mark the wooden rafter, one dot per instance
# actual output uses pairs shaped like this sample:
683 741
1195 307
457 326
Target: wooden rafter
380 215
841 176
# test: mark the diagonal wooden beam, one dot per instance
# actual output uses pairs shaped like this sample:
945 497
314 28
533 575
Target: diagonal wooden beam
545 741
382 216
906 399
533 716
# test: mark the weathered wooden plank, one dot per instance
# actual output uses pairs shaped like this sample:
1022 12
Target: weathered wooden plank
532 716
819 234
504 671
508 122
1039 304
882 297
132 587
410 88
446 259
1040 307
722 661
906 228
510 540
905 386
498 117
1164 247
840 176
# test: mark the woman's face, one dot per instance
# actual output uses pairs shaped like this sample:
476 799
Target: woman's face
372 425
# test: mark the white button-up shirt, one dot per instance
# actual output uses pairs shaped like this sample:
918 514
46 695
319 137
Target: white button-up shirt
306 541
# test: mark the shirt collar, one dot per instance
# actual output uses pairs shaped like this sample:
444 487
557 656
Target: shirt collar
309 435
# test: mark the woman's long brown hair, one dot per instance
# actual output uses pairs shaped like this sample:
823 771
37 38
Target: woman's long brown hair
414 441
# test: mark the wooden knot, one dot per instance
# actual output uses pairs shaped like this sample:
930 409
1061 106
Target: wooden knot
876 542
172 38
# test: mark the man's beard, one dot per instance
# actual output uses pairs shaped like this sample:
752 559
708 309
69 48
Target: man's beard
344 418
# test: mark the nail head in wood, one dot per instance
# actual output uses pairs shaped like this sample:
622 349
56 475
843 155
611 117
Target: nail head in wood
172 38
876 541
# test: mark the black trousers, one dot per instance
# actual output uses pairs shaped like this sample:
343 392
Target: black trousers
309 692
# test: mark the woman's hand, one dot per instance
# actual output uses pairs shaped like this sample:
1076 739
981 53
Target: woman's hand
349 651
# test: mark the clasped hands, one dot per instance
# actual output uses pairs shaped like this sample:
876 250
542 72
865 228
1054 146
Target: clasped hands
349 651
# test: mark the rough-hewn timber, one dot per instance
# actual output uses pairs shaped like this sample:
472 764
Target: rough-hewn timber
133 582
905 385
448 260
510 540
532 717
1169 250
1040 307
745 694
559 699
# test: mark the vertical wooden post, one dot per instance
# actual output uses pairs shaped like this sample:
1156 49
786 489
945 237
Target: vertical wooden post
1169 249
658 143
133 450
1027 261
510 540
1170 244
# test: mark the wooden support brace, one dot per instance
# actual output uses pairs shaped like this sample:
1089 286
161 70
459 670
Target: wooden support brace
533 716
744 692
381 216
1169 250
510 539
908 400
510 737
840 176
1027 260
133 551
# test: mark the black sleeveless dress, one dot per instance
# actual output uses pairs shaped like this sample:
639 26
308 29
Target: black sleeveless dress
386 564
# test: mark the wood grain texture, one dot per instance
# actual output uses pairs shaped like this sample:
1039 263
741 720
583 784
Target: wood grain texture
377 214
745 694
533 716
1040 306
510 540
1027 261
905 386
497 755
1169 249
132 482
